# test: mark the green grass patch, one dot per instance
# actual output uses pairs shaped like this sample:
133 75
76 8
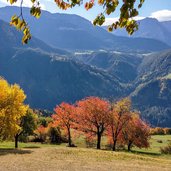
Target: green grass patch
156 142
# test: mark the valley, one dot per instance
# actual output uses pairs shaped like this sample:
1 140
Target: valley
82 60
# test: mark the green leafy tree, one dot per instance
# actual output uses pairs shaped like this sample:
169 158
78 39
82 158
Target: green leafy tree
44 121
28 125
128 10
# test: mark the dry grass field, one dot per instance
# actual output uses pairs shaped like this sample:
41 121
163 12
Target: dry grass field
60 158
78 159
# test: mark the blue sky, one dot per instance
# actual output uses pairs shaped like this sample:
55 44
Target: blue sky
160 9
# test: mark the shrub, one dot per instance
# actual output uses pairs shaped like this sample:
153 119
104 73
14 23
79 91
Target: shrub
159 141
49 135
166 150
108 146
157 131
90 142
160 131
54 135
167 131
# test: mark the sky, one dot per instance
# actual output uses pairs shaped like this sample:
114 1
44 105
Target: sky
159 9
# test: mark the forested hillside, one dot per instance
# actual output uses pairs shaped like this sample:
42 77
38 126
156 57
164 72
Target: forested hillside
50 78
50 75
147 79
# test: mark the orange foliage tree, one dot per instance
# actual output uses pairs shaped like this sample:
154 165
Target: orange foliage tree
92 118
119 117
136 132
64 117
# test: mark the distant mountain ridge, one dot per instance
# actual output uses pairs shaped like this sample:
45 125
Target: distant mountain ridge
10 38
72 32
150 28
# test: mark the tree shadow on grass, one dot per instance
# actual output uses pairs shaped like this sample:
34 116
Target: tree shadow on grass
30 147
6 151
146 153
135 152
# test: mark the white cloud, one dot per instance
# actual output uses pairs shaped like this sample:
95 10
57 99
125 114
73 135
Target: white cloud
138 18
163 15
25 3
109 21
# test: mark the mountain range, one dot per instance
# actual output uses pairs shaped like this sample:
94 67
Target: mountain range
48 78
72 32
50 74
150 28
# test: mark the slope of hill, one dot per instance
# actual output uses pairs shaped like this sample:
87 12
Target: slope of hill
48 82
150 28
50 78
157 65
122 65
73 32
167 25
10 38
152 94
147 77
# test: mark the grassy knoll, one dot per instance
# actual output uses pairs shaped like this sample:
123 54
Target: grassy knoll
156 142
43 157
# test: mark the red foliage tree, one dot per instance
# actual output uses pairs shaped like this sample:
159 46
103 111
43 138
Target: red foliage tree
64 117
137 133
119 117
92 118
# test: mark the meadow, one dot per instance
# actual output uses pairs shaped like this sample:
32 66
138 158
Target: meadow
43 157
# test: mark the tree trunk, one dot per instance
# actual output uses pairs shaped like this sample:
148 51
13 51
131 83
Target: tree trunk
98 140
69 138
16 140
114 145
129 146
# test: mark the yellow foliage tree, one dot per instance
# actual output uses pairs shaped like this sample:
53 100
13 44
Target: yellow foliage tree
12 109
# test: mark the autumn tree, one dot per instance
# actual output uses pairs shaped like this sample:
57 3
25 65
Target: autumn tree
119 117
136 132
92 117
12 109
64 118
128 10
